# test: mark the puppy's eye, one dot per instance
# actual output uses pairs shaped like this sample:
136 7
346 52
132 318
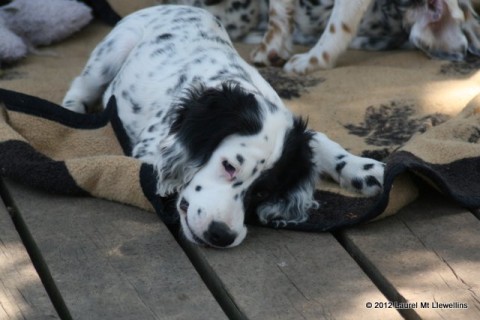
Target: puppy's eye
229 169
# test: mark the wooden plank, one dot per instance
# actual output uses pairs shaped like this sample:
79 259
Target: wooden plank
111 261
22 295
290 275
427 253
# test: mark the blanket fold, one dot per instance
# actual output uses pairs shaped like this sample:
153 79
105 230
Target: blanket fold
60 151
48 147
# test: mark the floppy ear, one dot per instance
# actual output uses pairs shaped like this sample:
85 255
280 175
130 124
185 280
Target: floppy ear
202 120
285 191
436 28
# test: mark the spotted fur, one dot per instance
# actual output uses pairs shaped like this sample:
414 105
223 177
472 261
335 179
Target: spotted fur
217 133
240 17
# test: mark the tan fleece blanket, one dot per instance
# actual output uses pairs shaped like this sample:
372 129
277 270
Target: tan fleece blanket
421 116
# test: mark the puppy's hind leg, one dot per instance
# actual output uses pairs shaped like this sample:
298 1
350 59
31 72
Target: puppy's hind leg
103 65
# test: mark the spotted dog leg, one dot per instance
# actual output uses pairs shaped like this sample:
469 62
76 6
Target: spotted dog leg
471 26
341 28
102 66
354 173
276 46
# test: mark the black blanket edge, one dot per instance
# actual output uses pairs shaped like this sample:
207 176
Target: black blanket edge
103 11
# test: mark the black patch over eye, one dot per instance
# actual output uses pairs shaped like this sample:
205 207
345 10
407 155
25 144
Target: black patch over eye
217 113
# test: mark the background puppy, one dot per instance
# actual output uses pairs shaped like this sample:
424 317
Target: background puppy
442 28
445 29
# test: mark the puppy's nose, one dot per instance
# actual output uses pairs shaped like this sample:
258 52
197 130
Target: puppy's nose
219 234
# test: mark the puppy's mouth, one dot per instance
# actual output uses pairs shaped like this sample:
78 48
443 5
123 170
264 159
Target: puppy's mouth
195 238
183 209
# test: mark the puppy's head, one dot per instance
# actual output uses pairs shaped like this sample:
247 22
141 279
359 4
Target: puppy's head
230 151
436 27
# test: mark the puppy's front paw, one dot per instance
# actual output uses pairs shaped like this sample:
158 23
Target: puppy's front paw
304 63
262 57
269 55
362 175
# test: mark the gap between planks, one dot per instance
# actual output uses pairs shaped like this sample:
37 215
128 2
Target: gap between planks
425 253
35 255
382 283
111 261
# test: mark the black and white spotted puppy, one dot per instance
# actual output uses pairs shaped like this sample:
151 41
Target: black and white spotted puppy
215 130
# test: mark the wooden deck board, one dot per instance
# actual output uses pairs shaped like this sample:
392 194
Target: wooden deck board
429 253
111 261
22 295
292 275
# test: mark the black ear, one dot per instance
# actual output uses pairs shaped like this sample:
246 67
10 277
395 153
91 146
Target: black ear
287 186
206 116
296 162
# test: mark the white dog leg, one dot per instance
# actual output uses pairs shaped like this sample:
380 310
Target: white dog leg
341 28
354 173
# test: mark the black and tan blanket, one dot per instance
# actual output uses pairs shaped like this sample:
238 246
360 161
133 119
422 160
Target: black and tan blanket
421 116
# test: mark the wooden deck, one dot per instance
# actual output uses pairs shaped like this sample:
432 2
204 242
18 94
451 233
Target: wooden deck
84 258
